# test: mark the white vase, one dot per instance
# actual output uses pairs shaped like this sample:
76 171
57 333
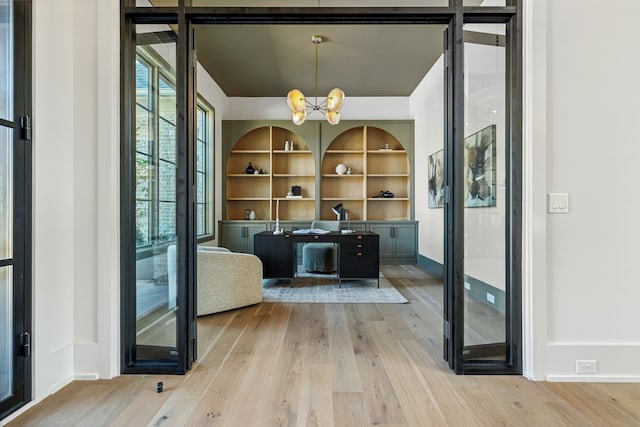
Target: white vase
252 215
341 169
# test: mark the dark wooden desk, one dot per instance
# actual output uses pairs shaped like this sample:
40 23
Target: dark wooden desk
358 253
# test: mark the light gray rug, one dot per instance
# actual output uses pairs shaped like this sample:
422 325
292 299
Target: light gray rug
314 288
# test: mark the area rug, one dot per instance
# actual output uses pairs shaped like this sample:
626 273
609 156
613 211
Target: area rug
312 288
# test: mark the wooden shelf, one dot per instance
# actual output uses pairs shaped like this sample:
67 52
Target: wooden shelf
250 151
298 175
387 199
387 175
294 199
344 151
343 198
348 175
385 151
247 175
292 152
248 198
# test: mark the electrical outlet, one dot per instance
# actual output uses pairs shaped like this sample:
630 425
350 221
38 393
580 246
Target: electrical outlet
586 366
491 298
467 286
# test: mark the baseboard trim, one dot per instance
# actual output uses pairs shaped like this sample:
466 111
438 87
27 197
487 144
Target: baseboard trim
434 268
60 385
592 379
86 377
476 288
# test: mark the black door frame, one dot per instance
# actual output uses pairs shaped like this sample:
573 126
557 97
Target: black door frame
185 202
454 298
22 211
455 16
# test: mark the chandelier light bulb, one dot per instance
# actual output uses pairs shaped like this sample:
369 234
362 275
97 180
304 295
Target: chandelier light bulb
333 117
296 100
335 99
299 117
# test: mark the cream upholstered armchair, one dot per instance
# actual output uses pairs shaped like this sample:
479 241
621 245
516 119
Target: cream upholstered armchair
226 279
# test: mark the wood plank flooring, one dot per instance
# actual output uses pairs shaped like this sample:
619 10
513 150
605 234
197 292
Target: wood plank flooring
334 365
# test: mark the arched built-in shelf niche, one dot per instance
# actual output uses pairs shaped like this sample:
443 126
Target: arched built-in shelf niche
378 162
264 147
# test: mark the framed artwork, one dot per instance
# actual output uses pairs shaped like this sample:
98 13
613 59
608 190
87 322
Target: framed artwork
436 180
480 168
479 174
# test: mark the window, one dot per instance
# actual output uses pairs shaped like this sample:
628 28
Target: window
204 169
156 153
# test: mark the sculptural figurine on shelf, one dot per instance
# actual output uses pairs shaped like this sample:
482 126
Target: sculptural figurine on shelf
250 169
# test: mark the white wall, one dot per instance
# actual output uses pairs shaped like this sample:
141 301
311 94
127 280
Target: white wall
53 193
484 106
354 108
75 188
427 109
581 108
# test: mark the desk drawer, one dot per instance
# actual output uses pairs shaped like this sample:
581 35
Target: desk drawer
359 257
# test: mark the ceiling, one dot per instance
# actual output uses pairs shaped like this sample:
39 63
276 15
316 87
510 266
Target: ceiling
363 60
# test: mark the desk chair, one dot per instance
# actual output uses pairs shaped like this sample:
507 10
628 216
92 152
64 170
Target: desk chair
321 257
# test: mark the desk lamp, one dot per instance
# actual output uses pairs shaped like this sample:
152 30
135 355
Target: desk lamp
339 210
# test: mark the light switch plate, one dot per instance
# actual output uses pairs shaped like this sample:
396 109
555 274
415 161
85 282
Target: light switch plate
558 203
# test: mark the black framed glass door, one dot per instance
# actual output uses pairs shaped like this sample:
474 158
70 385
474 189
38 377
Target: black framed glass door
455 15
15 205
157 210
482 315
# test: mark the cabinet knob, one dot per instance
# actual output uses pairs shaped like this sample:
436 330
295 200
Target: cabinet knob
359 237
359 246
359 254
315 237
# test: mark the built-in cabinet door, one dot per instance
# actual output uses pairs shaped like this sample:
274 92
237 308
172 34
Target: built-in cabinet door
252 230
397 241
386 240
238 237
403 237
232 237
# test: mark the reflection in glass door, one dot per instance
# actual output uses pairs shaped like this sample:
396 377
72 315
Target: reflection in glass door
485 207
6 261
6 200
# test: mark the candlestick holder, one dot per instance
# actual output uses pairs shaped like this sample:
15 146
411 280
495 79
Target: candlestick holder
278 230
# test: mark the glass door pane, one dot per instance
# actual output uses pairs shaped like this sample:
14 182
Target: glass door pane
6 193
156 331
6 332
6 59
6 270
484 188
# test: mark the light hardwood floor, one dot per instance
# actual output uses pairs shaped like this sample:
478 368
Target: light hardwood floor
334 365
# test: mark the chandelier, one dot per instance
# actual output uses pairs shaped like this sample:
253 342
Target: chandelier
301 107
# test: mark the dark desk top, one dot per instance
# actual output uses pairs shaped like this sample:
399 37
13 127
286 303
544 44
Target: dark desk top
332 236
